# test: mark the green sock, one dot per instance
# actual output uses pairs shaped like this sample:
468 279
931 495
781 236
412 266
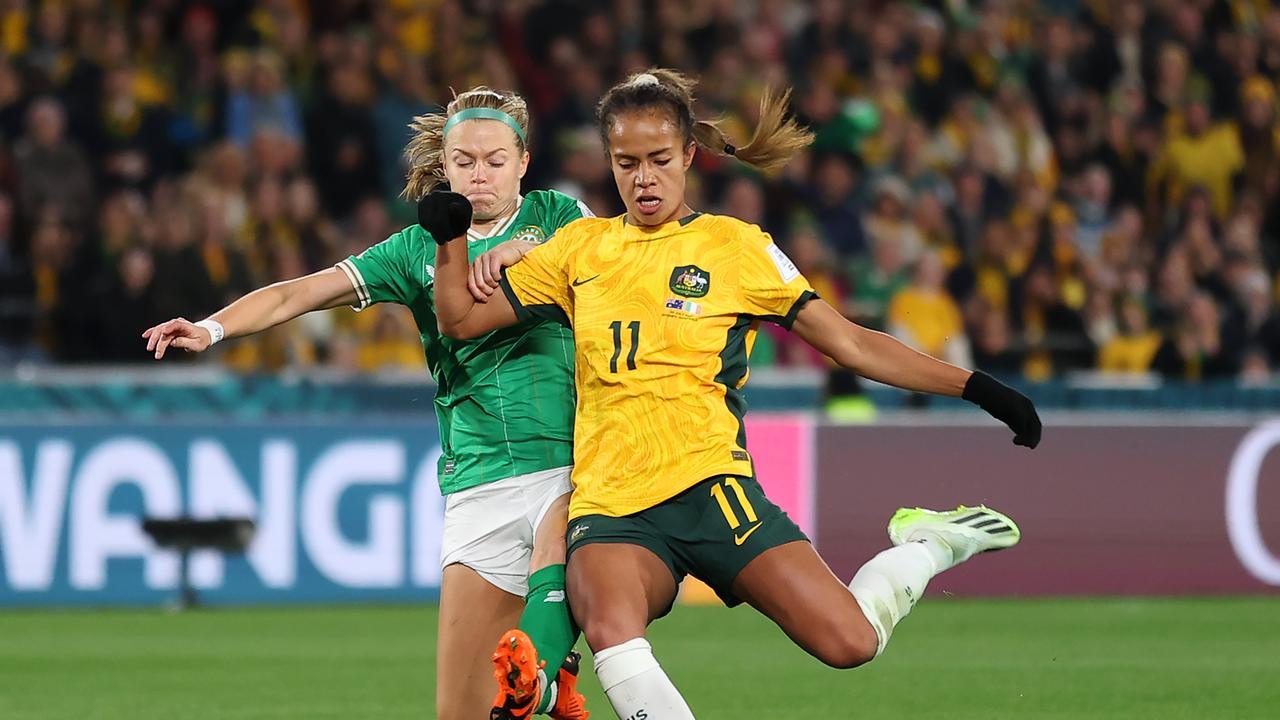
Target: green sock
547 622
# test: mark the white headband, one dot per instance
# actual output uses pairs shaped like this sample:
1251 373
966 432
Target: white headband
645 79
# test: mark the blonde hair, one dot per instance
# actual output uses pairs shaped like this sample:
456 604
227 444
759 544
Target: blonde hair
776 139
425 151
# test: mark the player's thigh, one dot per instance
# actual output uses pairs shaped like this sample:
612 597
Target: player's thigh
473 615
795 588
548 500
548 538
616 589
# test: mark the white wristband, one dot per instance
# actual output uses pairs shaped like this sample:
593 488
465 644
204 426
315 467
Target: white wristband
215 330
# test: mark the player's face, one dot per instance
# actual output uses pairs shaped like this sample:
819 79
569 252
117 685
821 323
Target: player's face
649 158
483 162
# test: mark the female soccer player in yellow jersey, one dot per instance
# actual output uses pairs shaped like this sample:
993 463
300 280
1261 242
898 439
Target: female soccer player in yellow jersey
664 302
504 404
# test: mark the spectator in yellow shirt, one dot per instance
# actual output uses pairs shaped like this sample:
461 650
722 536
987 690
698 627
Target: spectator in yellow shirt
389 343
1206 154
1132 350
925 317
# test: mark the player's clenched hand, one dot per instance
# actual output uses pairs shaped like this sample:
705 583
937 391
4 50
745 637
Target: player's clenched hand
444 214
178 333
486 271
1006 405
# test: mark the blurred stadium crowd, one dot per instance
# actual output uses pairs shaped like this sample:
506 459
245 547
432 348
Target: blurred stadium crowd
1033 187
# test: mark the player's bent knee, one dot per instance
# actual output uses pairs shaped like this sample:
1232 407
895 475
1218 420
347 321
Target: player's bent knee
604 633
846 647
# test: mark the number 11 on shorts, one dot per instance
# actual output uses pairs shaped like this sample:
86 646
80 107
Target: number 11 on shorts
722 499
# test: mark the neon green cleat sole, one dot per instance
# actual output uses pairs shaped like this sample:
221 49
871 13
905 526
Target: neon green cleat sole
968 530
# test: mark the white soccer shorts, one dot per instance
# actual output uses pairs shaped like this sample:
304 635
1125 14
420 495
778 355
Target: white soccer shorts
490 528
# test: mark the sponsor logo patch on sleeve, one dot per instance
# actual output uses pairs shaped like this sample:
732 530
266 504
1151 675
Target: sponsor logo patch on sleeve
786 268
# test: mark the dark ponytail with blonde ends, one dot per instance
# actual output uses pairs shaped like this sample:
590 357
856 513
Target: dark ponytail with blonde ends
707 133
776 139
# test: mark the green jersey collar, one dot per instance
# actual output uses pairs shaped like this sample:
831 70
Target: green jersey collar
499 227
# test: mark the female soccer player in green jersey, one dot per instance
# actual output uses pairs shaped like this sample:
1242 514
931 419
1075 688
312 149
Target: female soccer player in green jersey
504 404
664 303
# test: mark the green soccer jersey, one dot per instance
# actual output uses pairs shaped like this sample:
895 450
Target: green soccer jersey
504 401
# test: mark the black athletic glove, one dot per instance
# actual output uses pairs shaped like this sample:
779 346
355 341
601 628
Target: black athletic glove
444 214
1006 405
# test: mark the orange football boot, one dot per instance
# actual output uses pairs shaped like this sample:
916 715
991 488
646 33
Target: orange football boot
570 705
516 669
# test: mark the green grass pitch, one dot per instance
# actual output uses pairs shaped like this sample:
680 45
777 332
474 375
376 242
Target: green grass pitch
1106 658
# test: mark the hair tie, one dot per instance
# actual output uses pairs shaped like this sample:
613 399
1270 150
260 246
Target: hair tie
729 149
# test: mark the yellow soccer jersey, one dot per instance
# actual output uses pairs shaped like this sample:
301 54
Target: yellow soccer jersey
663 320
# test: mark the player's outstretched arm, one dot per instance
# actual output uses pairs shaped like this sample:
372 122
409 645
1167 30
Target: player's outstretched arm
447 215
885 359
261 309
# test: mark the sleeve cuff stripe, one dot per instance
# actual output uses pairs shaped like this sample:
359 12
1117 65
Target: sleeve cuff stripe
357 282
799 304
522 313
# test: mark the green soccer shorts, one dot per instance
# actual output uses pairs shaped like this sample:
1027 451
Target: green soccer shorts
710 531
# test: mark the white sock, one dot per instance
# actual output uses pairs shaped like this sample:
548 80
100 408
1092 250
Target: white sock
888 586
943 556
637 687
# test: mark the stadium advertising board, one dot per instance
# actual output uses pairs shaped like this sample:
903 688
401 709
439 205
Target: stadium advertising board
342 512
1104 508
782 451
354 513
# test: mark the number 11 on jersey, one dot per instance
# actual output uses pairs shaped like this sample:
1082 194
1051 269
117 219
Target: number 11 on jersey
616 327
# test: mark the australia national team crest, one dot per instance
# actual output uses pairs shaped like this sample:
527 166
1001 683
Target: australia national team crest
690 281
530 234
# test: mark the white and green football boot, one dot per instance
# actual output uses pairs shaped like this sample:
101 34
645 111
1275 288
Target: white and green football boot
966 530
